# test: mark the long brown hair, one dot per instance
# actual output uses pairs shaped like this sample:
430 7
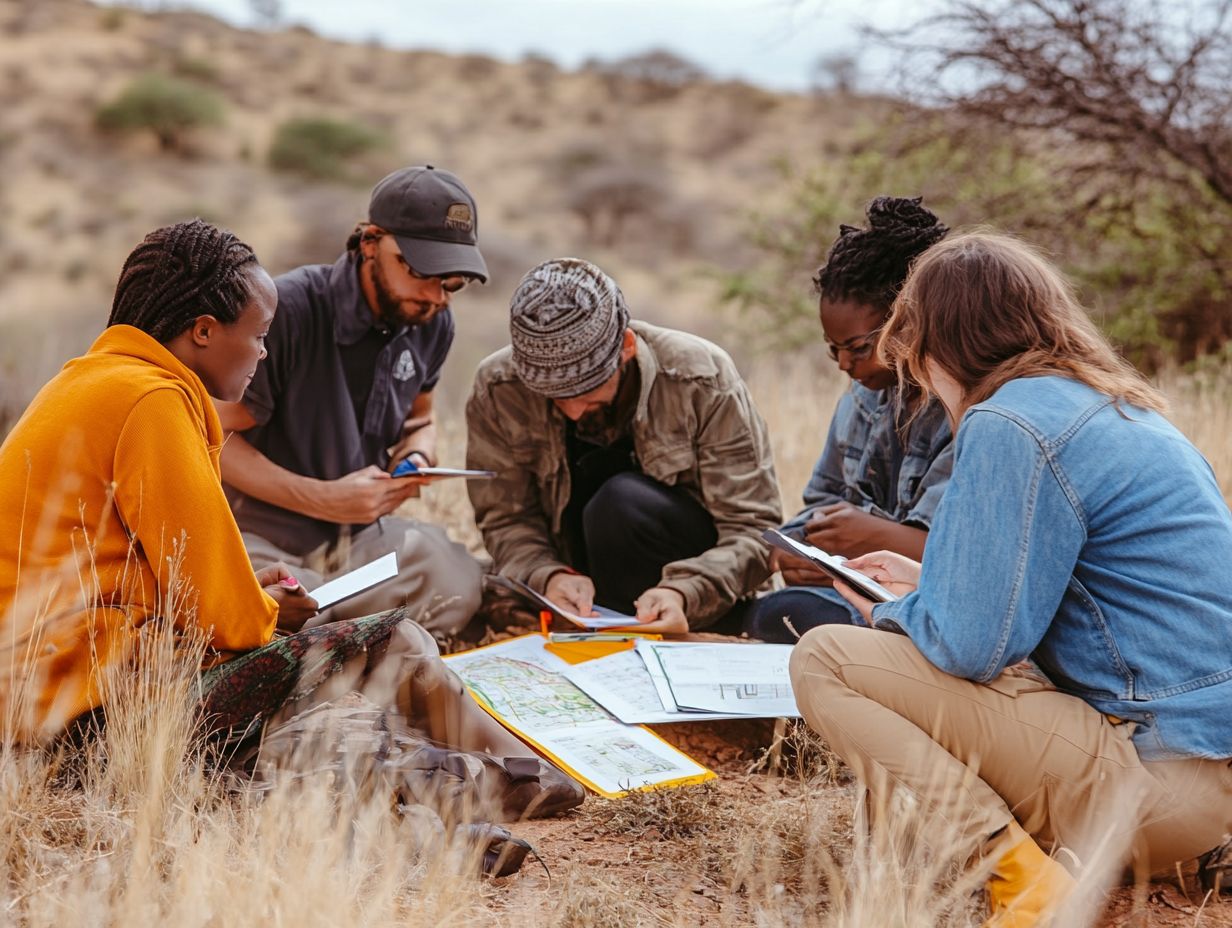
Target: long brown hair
988 309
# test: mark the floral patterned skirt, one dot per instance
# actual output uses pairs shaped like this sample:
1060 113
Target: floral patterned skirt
238 695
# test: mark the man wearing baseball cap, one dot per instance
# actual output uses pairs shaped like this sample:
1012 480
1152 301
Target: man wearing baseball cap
345 395
632 470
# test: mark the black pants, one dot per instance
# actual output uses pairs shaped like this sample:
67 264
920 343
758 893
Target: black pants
632 526
786 615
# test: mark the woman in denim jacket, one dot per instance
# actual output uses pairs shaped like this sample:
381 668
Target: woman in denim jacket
886 459
1081 530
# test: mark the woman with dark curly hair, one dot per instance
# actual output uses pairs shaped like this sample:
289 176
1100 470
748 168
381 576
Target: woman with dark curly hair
886 458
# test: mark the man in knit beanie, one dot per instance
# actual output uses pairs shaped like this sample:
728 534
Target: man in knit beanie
633 471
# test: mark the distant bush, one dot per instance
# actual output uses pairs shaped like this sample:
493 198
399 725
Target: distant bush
167 106
321 147
648 77
195 69
112 19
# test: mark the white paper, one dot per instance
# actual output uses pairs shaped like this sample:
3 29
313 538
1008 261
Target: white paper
621 684
526 685
604 618
749 680
356 581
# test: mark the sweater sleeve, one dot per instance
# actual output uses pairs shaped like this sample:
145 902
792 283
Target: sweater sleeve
168 492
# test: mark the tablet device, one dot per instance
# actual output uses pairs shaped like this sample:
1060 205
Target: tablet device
408 469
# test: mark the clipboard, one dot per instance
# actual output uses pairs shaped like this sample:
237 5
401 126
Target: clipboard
864 585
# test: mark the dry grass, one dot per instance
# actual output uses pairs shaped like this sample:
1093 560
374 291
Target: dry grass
151 835
138 828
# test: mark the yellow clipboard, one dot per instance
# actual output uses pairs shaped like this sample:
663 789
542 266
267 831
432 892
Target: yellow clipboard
562 762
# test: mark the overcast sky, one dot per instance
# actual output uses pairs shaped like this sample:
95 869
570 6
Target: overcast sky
770 42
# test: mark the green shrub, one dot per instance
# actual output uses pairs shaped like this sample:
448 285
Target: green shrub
201 70
321 147
167 106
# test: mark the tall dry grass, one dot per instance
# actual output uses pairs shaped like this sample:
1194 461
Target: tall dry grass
139 828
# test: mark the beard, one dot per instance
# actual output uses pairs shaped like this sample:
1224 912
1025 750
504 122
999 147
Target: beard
394 312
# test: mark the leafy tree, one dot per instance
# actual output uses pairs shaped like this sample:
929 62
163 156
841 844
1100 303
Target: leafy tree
1138 97
167 106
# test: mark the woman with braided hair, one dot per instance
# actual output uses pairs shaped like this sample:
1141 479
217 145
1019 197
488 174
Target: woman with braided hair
115 516
886 458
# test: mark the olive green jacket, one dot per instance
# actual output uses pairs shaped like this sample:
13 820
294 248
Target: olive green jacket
695 427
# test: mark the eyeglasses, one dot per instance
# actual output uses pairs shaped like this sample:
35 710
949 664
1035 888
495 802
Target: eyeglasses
450 284
859 348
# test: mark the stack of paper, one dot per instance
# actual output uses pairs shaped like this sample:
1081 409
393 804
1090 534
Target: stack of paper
662 681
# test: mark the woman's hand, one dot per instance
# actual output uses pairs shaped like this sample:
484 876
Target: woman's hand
898 574
295 606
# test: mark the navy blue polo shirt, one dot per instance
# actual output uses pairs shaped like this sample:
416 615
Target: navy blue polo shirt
308 419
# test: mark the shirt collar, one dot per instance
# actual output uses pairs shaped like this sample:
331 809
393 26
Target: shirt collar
353 318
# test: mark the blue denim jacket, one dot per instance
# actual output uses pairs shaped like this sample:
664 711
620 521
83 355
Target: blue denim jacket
1095 541
867 463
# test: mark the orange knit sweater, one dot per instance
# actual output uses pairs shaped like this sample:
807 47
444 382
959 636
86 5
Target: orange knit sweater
112 511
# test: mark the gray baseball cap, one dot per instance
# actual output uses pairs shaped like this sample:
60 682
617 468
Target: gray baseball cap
433 218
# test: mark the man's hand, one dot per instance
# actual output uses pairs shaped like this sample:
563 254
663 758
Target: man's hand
295 606
897 573
661 610
364 496
798 571
843 529
418 433
573 592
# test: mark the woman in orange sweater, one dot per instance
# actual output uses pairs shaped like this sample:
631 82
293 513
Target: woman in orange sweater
114 516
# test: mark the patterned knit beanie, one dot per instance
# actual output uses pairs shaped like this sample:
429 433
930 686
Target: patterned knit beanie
567 321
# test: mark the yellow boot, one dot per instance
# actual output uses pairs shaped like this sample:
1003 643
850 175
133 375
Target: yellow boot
1027 886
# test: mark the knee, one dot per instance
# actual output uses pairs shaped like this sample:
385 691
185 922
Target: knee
412 639
622 508
767 620
447 566
785 616
821 653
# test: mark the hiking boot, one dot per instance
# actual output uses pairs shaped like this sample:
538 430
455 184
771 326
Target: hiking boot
503 854
1027 887
1213 866
537 789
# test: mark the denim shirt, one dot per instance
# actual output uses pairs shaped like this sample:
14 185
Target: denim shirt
866 462
1094 540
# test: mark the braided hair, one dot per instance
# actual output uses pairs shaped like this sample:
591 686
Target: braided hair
181 272
869 265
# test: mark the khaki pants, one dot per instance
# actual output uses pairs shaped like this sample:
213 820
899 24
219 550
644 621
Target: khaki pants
437 578
978 755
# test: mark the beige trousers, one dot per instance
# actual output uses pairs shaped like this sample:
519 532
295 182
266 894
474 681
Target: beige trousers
978 755
440 582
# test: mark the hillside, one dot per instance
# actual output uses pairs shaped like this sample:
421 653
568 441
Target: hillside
666 173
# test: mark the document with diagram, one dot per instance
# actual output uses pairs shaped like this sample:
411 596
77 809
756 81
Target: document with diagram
526 688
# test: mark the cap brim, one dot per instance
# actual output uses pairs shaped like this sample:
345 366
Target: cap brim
442 259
